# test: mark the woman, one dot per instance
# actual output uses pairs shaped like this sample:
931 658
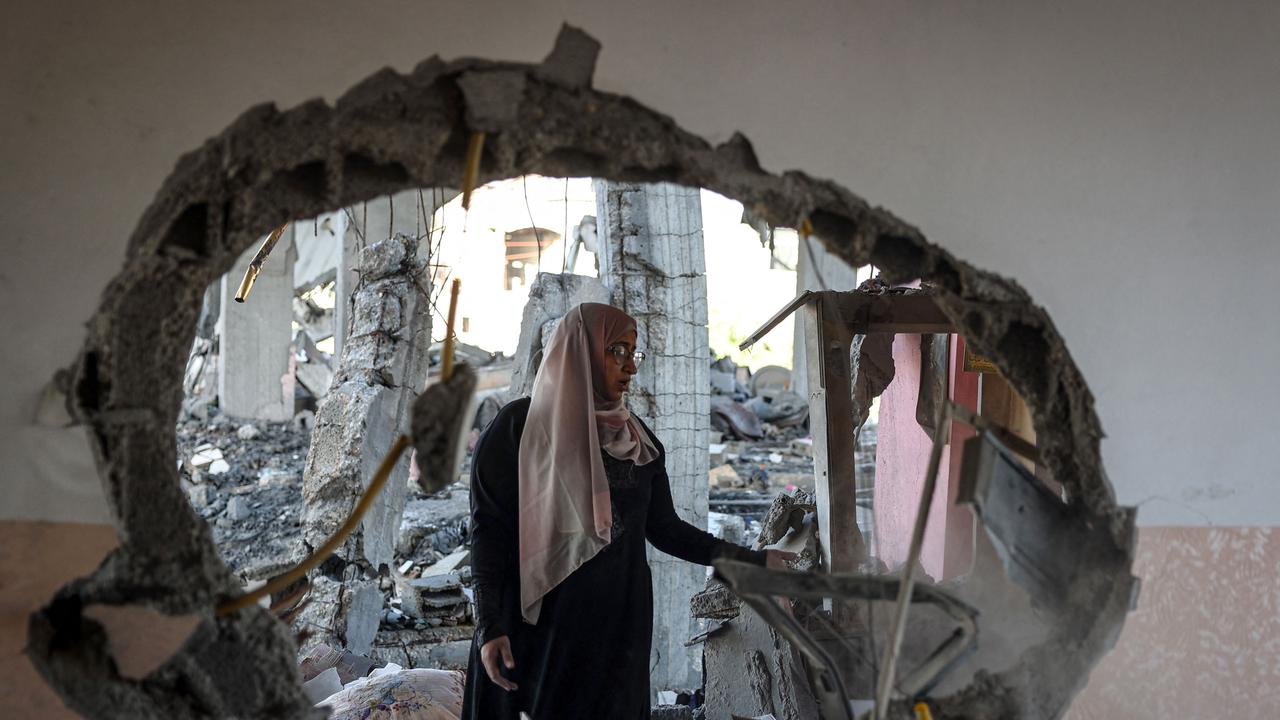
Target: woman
565 489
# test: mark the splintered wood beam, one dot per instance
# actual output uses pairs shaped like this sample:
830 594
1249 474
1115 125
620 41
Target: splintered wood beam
867 313
914 313
778 317
827 342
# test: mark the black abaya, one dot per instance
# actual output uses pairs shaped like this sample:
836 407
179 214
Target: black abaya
588 655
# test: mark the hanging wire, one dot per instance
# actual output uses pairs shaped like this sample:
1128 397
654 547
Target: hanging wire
564 241
419 218
524 182
813 261
354 225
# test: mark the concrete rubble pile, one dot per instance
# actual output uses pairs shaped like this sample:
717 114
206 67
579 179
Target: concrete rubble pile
760 441
384 363
750 670
245 480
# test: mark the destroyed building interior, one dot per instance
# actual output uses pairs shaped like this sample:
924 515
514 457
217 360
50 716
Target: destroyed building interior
962 309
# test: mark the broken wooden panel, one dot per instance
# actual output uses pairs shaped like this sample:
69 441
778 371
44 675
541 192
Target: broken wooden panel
827 343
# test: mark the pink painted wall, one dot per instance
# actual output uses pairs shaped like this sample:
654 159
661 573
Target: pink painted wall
1204 642
902 457
36 559
958 558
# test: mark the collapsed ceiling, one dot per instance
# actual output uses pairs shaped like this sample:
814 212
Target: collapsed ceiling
393 132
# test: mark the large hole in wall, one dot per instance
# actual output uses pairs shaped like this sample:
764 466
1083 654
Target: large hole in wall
394 133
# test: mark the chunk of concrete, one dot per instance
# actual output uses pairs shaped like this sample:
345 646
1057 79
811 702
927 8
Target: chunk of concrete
724 476
449 564
751 671
238 508
430 596
550 297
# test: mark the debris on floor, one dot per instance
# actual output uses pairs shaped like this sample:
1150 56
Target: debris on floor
424 616
254 504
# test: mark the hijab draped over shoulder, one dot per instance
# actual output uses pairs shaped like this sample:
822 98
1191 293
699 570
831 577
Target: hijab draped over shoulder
565 517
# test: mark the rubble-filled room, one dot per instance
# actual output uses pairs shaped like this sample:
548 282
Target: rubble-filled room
482 388
315 351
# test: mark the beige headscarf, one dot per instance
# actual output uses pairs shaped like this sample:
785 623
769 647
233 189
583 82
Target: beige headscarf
565 516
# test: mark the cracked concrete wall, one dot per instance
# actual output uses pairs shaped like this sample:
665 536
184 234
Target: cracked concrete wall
651 257
393 132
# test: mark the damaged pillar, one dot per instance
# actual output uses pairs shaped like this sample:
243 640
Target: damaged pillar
382 368
652 260
410 213
827 341
254 379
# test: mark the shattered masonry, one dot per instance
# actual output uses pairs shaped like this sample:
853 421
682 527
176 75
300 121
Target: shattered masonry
383 365
392 132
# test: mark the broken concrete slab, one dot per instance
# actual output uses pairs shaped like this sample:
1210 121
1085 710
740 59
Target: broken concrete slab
572 62
550 296
751 670
724 476
316 377
734 418
449 564
432 596
444 648
346 611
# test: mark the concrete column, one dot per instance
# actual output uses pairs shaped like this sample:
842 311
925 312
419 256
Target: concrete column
407 213
253 371
652 260
381 370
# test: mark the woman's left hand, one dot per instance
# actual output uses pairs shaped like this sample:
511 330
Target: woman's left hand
778 559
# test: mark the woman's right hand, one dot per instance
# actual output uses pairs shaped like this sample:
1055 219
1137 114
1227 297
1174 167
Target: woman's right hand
495 651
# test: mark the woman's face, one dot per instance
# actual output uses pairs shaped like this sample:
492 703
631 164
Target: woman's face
615 373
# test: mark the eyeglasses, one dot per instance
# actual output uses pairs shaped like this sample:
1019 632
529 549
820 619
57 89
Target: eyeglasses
621 353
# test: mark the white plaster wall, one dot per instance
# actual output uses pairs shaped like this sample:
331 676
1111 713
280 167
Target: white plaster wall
1122 160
